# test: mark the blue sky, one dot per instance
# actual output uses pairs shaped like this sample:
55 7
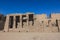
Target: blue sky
36 6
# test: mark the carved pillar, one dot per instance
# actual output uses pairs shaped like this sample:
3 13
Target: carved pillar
27 19
14 22
6 26
33 19
20 20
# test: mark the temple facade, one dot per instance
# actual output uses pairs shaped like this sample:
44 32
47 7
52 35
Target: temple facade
30 22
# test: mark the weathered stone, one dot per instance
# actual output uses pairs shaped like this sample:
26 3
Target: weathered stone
33 23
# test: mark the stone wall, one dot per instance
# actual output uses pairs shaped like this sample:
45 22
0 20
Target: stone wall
33 23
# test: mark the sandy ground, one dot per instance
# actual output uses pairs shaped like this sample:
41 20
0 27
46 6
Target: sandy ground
29 36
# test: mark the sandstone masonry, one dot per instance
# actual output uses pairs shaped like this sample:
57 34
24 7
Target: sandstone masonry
30 22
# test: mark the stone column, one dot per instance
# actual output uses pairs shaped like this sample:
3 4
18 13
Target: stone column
20 24
33 19
27 19
27 27
14 22
6 26
20 20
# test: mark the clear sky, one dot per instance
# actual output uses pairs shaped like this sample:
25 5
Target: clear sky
36 6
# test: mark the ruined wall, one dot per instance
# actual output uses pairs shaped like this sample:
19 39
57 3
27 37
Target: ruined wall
34 23
56 20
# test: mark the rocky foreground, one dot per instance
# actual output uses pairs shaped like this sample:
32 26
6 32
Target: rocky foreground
29 36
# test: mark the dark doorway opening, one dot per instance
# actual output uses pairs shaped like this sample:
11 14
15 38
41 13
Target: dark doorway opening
23 19
56 22
17 20
11 22
31 18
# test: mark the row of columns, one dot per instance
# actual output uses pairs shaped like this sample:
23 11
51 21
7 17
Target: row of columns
6 27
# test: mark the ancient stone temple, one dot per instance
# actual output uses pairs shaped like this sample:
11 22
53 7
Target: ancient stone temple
30 22
18 22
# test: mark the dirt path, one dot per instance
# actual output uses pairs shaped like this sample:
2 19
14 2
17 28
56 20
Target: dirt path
29 36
